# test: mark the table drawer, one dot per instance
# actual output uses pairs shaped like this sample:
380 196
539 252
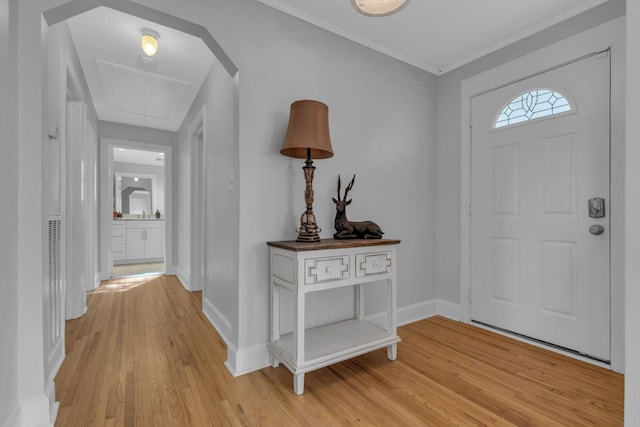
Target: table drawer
372 264
320 270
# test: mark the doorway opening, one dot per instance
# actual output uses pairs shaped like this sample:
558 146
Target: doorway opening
139 211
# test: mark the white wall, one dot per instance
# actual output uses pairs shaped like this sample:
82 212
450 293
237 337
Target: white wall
220 151
632 277
8 231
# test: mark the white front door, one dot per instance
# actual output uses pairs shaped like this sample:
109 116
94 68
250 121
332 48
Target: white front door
539 266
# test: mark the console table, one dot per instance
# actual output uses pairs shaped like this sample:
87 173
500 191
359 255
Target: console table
304 267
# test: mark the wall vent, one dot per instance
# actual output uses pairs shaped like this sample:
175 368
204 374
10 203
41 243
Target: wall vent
55 282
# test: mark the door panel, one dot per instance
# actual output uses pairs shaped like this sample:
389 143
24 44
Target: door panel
536 269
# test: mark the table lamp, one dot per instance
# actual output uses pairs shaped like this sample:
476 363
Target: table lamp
308 138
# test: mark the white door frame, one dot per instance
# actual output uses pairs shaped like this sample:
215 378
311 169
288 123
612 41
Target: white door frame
197 131
106 204
610 35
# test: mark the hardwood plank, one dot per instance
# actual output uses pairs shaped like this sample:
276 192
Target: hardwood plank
145 355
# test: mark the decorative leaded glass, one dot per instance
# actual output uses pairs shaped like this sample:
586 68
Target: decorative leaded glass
532 105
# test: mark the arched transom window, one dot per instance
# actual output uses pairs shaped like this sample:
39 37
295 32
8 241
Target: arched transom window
532 105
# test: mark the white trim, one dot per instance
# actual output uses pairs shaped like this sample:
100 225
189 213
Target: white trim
520 36
182 276
351 36
239 362
217 319
244 361
50 392
105 215
436 69
197 237
13 419
600 38
35 412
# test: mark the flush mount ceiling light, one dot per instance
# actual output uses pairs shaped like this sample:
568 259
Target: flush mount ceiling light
378 7
149 41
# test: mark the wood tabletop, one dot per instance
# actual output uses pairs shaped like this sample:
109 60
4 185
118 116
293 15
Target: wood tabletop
292 245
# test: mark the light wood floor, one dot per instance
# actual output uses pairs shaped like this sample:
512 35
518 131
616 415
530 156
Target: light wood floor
144 355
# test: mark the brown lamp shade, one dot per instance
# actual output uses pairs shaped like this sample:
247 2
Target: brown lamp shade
308 129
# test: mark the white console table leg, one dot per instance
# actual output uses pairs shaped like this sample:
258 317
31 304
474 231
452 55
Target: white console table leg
392 352
275 362
298 384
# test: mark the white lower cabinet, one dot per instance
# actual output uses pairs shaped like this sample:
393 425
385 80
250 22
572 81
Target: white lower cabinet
136 240
302 268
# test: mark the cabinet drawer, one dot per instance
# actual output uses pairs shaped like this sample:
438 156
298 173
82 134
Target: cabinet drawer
371 264
319 270
118 252
118 235
118 225
144 224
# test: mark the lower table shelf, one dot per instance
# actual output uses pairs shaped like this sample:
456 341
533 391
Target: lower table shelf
332 343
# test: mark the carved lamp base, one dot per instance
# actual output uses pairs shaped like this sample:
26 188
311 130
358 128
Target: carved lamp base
309 230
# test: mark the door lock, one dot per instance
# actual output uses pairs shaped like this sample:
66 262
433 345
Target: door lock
596 207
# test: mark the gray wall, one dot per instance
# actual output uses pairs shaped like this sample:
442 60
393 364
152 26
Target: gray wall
220 150
382 118
8 229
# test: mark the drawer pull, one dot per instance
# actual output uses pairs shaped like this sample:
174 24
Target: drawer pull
376 264
328 270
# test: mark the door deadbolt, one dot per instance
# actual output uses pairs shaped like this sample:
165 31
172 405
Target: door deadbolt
596 230
596 207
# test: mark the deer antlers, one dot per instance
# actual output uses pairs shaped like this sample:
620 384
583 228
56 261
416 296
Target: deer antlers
346 191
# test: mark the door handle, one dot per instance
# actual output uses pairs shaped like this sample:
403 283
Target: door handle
596 230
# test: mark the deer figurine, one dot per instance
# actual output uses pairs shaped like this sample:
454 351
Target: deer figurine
346 229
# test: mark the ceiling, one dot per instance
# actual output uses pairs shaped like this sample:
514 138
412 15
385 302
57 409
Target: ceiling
140 157
126 90
434 35
437 35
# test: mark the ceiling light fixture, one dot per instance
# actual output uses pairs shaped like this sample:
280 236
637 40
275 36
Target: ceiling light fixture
149 41
378 7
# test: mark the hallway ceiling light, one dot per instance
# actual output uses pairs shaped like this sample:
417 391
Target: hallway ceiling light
149 41
378 7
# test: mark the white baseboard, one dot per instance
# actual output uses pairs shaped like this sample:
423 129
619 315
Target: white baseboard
183 277
13 419
217 319
50 392
449 310
409 314
240 362
35 412
243 361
